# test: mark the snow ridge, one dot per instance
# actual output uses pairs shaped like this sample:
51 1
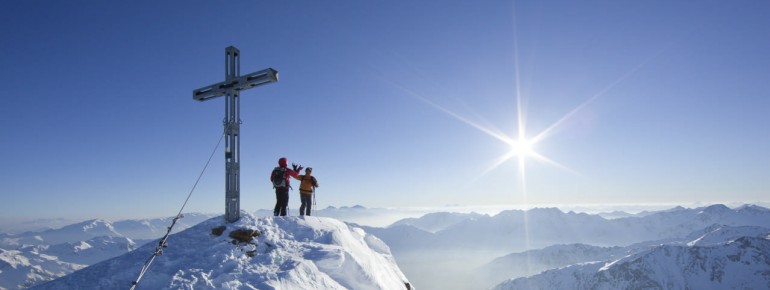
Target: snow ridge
289 253
434 222
716 260
53 253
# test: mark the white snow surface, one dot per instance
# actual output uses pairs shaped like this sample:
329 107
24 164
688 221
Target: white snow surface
289 253
742 263
20 269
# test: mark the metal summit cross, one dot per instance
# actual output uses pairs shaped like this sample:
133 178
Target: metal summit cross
232 86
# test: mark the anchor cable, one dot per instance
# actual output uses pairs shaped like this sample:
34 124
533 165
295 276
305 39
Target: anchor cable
162 243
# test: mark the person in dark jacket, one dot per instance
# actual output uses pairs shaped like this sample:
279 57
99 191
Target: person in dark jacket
280 178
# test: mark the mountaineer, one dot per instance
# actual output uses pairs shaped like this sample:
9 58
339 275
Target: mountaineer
280 179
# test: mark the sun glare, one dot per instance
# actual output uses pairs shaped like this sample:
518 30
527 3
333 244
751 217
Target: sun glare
522 148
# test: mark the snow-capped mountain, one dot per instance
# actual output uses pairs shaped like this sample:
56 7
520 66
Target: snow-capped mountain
535 261
740 264
90 251
33 257
485 237
23 268
517 230
32 264
434 222
38 225
717 234
442 259
69 234
82 244
615 214
720 257
286 253
144 229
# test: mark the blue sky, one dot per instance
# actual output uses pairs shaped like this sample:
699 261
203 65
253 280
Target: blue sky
665 102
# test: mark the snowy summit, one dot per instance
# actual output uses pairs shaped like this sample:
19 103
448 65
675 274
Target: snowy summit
275 253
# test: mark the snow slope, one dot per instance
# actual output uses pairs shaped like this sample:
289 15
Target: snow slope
49 254
716 260
535 261
90 251
289 253
20 269
29 265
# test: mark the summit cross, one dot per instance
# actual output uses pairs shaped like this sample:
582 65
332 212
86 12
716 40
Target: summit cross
230 88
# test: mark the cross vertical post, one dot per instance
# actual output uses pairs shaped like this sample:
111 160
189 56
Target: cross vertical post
232 86
232 142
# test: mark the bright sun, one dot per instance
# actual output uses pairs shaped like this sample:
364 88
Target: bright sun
522 148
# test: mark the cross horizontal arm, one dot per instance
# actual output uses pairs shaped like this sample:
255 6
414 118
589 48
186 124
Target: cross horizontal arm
263 77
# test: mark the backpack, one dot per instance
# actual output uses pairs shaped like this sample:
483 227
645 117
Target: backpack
278 177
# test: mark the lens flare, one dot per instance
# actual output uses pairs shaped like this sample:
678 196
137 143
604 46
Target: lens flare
522 148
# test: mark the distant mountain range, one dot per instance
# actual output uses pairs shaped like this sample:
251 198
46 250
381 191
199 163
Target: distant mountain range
558 256
133 229
434 222
518 230
722 258
477 240
453 250
29 258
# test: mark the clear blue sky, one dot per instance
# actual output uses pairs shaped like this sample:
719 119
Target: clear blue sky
97 119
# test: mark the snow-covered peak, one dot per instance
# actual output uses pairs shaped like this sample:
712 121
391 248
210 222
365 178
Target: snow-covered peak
546 211
20 269
96 224
355 207
90 251
715 209
738 264
673 209
157 227
718 234
68 234
615 214
288 253
752 208
79 231
509 214
434 222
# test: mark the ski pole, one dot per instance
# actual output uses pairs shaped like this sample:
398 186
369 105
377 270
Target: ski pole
315 210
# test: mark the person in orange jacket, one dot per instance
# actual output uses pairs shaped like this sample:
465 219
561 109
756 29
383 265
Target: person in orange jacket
307 186
280 179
